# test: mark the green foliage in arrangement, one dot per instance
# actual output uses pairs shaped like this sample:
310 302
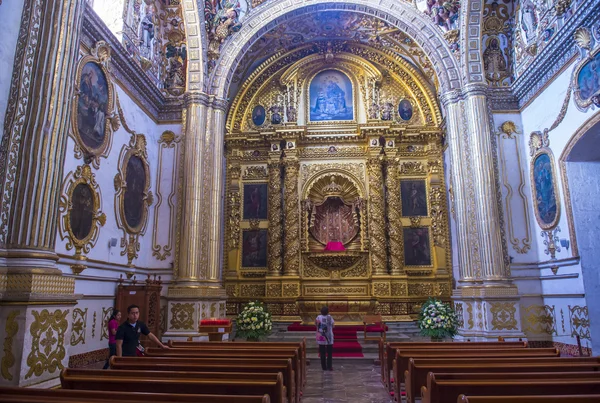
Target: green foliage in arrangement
254 322
437 319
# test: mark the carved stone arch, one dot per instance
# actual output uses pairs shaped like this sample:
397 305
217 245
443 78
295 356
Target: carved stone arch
399 14
471 16
196 43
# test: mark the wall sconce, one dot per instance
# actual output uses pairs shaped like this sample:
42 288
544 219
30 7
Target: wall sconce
565 243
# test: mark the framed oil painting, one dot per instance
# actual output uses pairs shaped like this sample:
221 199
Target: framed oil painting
259 115
331 97
82 214
133 199
254 248
255 201
417 251
586 81
546 203
414 198
405 110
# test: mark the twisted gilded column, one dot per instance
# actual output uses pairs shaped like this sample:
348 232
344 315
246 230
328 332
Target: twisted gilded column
376 216
275 214
291 243
394 228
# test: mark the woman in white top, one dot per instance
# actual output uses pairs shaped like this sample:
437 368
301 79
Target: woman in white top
325 323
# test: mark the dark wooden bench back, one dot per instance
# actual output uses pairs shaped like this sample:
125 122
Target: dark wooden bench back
530 399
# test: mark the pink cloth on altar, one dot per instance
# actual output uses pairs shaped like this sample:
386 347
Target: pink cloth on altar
335 247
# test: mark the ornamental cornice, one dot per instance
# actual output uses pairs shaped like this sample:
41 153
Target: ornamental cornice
451 97
128 73
475 89
194 97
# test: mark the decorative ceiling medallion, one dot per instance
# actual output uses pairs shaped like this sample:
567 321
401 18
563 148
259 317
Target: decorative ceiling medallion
93 117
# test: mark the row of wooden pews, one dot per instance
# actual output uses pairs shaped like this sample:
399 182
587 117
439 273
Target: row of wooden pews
487 372
187 372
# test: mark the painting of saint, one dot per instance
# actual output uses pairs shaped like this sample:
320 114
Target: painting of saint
416 247
414 198
331 97
254 248
81 215
92 106
545 197
588 79
255 201
258 115
133 200
405 109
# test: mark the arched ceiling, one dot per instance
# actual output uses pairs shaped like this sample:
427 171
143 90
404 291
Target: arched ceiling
340 27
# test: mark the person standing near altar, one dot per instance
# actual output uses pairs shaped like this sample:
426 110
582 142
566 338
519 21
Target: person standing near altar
325 323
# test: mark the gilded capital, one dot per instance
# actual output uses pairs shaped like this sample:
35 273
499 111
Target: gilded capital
196 97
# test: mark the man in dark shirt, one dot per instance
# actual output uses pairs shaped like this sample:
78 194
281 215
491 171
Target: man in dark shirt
128 334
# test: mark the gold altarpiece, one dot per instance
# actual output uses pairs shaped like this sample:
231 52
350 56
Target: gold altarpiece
296 182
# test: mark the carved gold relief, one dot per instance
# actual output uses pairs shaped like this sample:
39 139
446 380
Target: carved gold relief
458 309
310 270
274 250
503 315
291 290
255 172
381 289
182 316
412 168
252 290
359 290
394 218
399 289
539 319
360 270
291 245
470 313
421 289
233 219
131 233
11 330
580 321
100 55
47 342
231 290
81 217
78 326
274 290
439 218
106 312
376 217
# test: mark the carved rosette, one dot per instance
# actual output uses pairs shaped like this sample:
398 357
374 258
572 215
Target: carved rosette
292 218
274 256
376 216
394 217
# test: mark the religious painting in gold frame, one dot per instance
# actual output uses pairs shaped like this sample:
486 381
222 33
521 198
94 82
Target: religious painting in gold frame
93 119
254 249
546 197
331 97
417 247
586 75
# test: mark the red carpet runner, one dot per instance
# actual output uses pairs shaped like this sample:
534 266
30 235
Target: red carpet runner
345 342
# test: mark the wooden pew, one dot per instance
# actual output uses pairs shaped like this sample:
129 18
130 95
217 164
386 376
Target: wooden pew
200 365
176 382
447 391
530 399
242 345
416 375
30 395
388 351
284 352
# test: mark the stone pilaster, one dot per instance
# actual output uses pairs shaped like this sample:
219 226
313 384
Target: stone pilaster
394 213
376 206
488 300
36 299
275 247
291 244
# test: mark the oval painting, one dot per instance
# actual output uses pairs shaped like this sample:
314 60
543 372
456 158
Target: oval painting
259 115
544 196
81 215
405 109
92 106
133 199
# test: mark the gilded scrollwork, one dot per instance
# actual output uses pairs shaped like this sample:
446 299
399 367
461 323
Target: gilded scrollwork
47 342
233 219
291 245
412 168
420 289
539 319
503 315
381 289
394 217
11 330
81 216
376 216
273 290
580 321
470 313
106 312
252 290
255 172
182 316
78 326
439 219
274 249
291 290
399 289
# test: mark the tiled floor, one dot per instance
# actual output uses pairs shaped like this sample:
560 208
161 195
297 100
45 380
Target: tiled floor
351 382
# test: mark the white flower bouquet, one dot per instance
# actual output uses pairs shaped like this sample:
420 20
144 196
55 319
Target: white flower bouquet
254 322
438 320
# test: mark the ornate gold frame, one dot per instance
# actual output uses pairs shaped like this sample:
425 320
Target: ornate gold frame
355 93
130 240
242 192
100 54
583 40
244 269
554 223
82 175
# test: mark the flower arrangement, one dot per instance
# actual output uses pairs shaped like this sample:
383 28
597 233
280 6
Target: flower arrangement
253 322
437 319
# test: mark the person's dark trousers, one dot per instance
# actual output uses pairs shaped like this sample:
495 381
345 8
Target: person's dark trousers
326 353
112 350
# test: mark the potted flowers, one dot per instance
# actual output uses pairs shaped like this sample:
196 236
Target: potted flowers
437 320
254 322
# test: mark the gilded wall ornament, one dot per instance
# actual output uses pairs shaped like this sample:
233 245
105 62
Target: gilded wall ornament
291 290
579 321
78 326
255 172
376 217
394 213
133 196
106 313
539 319
421 290
233 219
503 315
459 310
93 116
81 217
273 290
47 342
275 251
470 313
252 290
412 168
182 316
11 330
291 244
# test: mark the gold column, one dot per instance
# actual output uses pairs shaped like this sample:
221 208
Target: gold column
275 230
291 245
392 182
376 219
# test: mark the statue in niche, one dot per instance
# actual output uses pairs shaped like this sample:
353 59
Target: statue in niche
176 68
292 114
374 111
387 110
147 27
528 21
494 63
275 114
